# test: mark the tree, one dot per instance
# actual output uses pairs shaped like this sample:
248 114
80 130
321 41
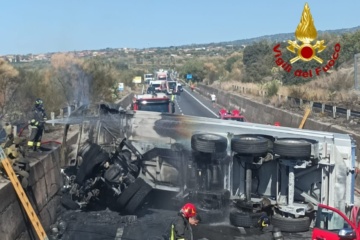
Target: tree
8 82
194 67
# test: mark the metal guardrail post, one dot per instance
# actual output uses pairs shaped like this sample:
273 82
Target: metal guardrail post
69 110
334 111
301 102
15 130
52 118
311 105
323 108
348 114
61 113
356 80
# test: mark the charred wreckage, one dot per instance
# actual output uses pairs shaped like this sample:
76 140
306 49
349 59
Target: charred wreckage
246 168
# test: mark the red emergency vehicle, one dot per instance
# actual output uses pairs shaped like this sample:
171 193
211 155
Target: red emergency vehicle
157 102
231 115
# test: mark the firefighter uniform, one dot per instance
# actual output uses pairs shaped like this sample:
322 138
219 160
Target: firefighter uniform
37 124
181 229
181 226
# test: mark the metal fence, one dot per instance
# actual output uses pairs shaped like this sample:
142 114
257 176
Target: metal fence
357 70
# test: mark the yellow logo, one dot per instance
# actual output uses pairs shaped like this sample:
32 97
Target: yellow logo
306 51
306 33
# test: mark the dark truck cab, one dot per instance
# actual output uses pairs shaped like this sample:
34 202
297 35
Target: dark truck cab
156 102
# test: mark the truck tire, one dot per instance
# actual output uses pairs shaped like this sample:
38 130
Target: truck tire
244 219
211 215
208 143
293 148
271 141
129 192
138 198
68 203
249 144
291 225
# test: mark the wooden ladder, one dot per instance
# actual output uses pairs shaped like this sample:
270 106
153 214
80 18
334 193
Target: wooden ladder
22 196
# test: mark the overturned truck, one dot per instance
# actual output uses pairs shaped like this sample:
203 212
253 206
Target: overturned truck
245 168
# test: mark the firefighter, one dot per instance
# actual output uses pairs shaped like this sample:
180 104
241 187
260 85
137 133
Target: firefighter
37 124
181 227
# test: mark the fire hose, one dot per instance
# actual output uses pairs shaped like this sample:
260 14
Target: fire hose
44 142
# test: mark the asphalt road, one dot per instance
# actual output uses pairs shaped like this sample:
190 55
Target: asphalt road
193 104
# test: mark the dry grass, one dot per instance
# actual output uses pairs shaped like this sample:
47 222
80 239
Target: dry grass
336 87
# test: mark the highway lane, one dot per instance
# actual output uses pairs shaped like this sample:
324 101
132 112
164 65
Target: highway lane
193 104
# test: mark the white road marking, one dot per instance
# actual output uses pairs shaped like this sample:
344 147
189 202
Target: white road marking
242 230
119 233
201 103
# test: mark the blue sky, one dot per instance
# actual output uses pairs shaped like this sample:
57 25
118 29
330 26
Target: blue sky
41 26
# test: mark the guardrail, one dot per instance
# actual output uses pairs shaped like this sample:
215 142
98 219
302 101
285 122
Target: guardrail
323 107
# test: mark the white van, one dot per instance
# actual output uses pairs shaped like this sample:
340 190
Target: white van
159 85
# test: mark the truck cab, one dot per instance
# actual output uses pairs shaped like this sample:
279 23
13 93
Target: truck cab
157 102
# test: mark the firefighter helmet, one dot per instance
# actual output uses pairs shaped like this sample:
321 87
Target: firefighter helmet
39 102
189 210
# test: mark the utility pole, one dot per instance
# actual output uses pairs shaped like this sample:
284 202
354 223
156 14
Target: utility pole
356 76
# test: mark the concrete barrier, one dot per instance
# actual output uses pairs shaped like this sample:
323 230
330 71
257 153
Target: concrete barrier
45 182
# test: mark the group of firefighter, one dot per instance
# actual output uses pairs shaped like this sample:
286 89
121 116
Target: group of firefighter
14 146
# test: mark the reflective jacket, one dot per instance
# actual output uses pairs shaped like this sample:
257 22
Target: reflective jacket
39 117
181 229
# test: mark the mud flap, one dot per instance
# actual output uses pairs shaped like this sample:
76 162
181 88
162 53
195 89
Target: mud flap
138 198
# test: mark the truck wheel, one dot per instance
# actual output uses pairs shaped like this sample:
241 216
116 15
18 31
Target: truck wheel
244 219
138 198
301 224
68 203
249 144
293 148
271 141
208 143
129 192
211 215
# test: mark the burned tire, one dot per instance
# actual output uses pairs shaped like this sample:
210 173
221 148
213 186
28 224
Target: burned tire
244 219
211 215
68 203
89 163
129 192
291 224
249 144
138 198
293 148
208 143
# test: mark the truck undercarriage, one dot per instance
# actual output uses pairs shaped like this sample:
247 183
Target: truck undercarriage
230 170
